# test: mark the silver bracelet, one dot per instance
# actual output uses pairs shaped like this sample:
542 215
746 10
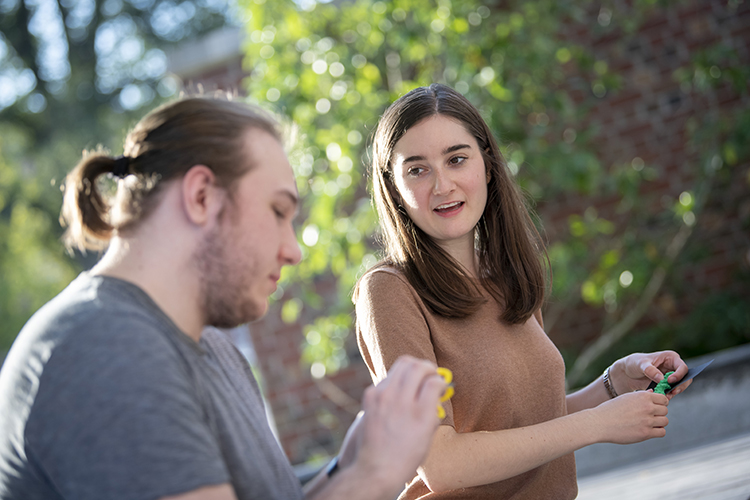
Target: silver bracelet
608 383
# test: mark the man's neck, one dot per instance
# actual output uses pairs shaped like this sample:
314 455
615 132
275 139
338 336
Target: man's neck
169 278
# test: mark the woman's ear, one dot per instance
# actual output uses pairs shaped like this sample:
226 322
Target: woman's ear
488 173
393 191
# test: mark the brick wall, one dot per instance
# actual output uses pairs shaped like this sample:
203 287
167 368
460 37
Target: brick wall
644 119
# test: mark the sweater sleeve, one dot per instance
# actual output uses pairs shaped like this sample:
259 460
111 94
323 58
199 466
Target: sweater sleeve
391 322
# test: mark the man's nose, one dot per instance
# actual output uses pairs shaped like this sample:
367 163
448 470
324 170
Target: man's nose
290 252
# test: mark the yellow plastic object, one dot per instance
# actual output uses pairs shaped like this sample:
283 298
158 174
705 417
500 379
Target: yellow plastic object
446 374
449 391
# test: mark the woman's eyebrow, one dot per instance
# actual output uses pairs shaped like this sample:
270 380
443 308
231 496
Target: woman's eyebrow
447 150
456 148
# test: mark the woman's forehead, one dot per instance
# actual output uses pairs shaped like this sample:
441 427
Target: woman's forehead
435 130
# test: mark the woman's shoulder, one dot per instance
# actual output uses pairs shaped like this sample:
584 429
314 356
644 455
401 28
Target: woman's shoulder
381 270
382 278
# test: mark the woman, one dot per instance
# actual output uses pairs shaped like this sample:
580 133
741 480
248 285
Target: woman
461 285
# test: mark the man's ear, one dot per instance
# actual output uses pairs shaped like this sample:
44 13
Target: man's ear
202 198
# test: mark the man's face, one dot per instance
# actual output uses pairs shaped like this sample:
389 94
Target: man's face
241 259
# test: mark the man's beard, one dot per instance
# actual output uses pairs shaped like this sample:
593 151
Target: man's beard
225 280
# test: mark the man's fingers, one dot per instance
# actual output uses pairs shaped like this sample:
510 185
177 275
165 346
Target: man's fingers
399 372
414 383
406 378
419 371
431 390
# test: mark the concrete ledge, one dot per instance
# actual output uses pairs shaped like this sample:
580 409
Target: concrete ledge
716 471
714 408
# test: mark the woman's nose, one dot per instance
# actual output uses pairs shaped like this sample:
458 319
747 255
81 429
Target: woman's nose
443 183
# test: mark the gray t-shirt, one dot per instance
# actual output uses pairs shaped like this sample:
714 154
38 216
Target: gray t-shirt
103 397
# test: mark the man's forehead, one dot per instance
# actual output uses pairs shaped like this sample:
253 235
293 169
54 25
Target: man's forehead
269 164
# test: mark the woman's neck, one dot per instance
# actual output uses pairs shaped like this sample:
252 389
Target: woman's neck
462 251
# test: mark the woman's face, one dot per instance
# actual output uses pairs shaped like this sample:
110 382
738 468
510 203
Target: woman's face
440 175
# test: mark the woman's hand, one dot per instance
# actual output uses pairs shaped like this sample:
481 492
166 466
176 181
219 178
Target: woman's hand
636 371
633 417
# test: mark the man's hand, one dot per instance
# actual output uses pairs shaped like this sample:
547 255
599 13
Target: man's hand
400 417
391 436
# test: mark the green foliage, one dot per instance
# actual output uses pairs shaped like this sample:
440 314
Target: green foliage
73 76
33 266
333 69
326 344
100 53
720 321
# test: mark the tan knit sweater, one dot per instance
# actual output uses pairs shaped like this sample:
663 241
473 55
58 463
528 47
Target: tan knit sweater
504 376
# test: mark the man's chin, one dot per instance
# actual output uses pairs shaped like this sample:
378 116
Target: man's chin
248 316
258 313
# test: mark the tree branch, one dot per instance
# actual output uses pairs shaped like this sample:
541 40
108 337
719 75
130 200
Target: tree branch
337 395
621 328
15 27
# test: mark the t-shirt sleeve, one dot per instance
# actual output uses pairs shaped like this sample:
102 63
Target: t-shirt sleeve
391 322
118 417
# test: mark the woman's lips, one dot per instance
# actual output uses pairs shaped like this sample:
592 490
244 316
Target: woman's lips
449 209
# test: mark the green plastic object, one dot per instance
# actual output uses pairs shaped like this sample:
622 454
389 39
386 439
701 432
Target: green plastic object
663 386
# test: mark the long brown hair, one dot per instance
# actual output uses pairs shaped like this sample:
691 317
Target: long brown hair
164 145
511 252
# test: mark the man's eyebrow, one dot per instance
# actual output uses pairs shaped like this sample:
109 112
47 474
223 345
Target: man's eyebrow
293 197
447 150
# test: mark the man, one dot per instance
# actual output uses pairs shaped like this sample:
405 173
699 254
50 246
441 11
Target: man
115 389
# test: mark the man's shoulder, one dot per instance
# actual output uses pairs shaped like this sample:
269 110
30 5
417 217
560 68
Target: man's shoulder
92 358
91 328
92 309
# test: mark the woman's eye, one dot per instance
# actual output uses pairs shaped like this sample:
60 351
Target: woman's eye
457 159
414 171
